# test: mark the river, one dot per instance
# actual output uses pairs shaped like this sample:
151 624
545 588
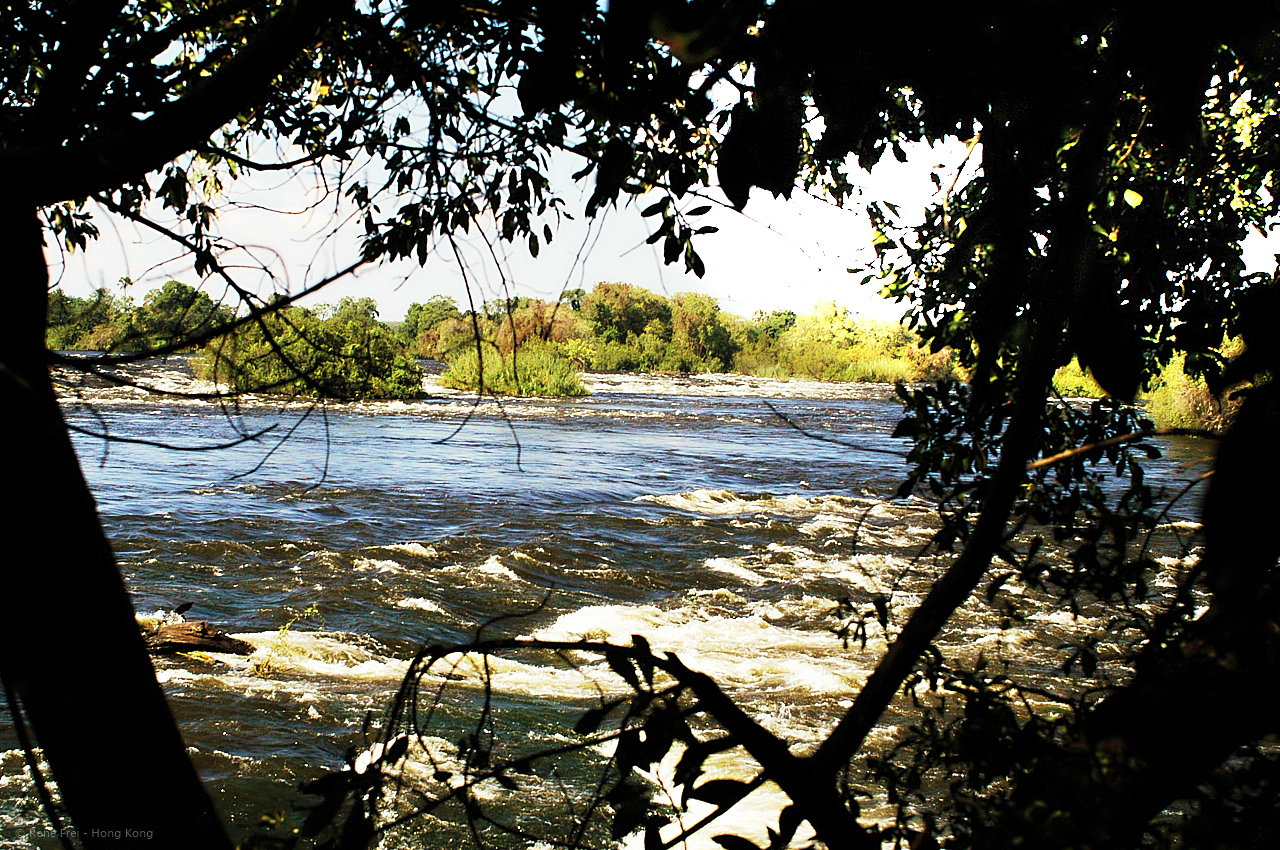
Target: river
720 516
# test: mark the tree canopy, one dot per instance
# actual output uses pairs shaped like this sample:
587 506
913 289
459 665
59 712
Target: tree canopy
346 354
171 314
1125 153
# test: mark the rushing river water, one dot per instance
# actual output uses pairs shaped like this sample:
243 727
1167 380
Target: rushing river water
705 513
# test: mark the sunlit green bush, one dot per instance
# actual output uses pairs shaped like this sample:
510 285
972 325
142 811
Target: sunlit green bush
295 351
534 369
1071 381
649 352
1177 400
830 345
1174 399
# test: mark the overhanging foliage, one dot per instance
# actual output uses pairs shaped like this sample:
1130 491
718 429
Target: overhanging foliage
1124 152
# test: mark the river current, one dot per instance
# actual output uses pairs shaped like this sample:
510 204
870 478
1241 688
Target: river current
720 516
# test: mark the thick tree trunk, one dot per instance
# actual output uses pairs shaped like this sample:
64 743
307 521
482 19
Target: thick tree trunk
1194 700
116 754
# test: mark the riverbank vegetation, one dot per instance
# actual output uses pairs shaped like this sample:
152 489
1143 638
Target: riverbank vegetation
528 346
539 348
533 347
1174 398
622 327
1178 399
537 369
107 322
335 351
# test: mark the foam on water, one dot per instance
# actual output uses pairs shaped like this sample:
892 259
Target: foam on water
486 573
830 525
377 565
22 821
413 548
726 502
417 603
733 567
574 680
724 385
168 675
1060 617
747 651
283 655
158 617
866 573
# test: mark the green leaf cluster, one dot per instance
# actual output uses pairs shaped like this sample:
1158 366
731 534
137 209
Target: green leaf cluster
420 328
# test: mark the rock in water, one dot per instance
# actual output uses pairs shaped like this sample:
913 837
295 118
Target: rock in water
190 637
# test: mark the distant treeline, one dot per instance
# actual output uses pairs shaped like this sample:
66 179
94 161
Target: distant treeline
105 322
528 346
535 346
339 351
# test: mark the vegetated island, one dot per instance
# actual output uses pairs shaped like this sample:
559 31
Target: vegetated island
535 347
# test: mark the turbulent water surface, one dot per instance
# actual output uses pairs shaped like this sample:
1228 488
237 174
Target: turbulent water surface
719 516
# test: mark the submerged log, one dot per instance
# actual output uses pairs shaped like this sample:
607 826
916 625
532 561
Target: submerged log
191 637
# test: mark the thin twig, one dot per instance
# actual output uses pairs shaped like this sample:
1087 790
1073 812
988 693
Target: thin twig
171 446
790 423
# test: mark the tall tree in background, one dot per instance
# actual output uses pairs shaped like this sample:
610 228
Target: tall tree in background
1124 156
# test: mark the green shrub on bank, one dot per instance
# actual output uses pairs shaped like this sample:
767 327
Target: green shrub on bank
1072 381
649 352
533 369
1174 399
297 352
832 345
638 330
1178 400
868 366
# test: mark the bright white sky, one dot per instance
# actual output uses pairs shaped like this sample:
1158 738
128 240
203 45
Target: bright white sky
777 255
